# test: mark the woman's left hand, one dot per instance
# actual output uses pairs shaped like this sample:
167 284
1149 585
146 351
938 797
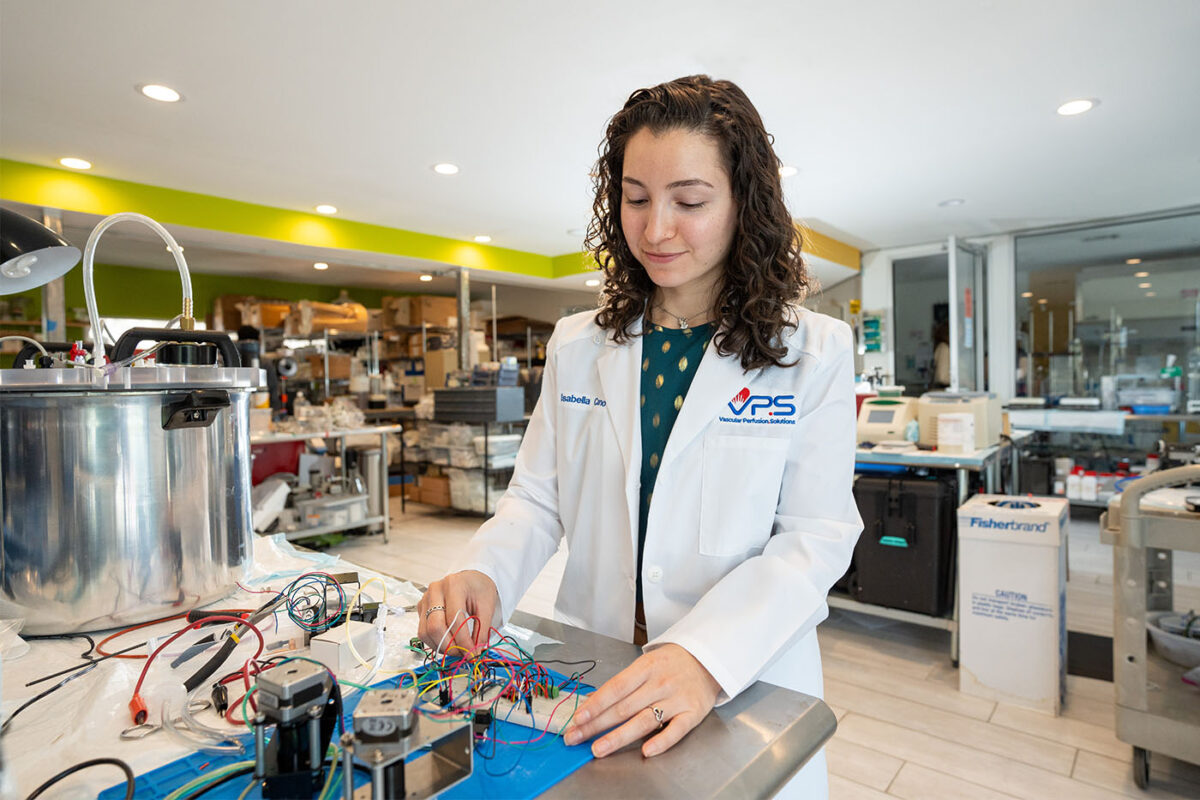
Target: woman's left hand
668 678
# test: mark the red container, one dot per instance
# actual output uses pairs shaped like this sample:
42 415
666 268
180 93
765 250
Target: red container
267 459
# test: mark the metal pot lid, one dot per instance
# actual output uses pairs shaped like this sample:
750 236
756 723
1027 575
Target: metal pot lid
131 379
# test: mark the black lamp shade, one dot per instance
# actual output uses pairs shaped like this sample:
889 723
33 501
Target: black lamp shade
31 254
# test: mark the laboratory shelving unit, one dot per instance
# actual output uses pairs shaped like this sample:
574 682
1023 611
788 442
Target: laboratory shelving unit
340 437
991 464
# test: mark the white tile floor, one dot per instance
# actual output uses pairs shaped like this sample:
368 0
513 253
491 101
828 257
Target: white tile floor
904 728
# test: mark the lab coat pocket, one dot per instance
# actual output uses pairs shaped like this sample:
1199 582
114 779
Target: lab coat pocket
739 492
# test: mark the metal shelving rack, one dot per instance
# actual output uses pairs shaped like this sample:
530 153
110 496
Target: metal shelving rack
489 428
989 463
381 431
1155 710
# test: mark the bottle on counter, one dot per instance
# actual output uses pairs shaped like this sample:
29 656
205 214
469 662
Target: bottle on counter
1088 486
1151 463
1073 483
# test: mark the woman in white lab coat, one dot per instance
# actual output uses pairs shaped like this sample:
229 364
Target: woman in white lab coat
694 440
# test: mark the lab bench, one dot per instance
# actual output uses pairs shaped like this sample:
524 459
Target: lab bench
748 747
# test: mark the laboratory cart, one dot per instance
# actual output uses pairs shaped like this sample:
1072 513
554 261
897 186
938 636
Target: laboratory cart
1155 710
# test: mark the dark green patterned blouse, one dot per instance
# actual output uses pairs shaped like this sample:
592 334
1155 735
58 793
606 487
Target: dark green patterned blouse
669 361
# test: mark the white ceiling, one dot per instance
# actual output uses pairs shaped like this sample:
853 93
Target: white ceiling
887 108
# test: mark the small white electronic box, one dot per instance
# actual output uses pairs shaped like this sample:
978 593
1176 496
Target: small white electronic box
883 419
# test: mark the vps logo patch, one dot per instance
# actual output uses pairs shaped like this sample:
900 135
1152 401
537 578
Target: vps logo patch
762 409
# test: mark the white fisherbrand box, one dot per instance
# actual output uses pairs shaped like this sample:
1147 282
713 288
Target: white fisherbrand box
1012 568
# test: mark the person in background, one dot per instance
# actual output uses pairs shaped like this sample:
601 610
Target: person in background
694 440
941 356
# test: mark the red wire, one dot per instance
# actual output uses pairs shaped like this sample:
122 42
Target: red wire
100 647
256 591
214 618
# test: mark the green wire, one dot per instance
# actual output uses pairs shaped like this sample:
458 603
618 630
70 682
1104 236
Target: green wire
195 783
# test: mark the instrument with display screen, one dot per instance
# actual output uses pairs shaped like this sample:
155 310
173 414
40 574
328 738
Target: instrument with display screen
883 419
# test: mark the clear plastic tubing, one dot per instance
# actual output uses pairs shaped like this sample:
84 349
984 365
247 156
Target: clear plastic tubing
89 290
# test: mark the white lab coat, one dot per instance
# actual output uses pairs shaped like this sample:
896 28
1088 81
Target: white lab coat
752 518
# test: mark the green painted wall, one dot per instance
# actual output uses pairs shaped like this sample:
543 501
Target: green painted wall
95 194
155 294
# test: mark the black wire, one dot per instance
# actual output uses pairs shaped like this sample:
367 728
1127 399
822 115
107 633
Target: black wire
237 773
93 662
91 762
578 676
86 654
88 668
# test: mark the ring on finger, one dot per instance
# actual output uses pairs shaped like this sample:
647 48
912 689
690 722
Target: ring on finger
433 609
658 715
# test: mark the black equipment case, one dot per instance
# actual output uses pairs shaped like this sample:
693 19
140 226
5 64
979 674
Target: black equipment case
905 556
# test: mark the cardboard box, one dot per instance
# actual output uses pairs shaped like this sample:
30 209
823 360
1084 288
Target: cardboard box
410 490
1012 568
439 364
397 311
339 366
226 315
435 491
431 310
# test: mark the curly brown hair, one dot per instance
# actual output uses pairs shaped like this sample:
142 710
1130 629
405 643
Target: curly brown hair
764 272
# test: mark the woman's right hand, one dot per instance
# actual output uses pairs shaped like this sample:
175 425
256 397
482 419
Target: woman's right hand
450 601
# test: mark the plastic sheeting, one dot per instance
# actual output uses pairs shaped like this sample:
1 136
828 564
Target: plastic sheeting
85 718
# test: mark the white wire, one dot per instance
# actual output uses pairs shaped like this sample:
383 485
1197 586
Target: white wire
89 289
33 342
449 628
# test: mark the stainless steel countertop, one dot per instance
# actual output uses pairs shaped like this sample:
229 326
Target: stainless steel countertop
748 747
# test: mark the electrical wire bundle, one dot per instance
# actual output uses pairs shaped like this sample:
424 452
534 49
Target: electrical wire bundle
449 686
505 666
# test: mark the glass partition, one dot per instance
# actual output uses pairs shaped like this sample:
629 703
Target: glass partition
1110 311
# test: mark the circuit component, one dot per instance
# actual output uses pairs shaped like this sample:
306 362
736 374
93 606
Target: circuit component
387 734
303 702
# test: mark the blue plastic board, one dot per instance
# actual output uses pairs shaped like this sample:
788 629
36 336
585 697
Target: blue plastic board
512 772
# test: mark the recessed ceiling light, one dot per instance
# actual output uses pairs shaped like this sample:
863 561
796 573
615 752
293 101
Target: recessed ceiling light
426 278
1043 300
156 91
576 232
591 282
484 239
75 163
445 169
325 208
1132 261
1141 274
1026 294
953 201
1151 294
1073 107
320 265
1146 285
787 172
